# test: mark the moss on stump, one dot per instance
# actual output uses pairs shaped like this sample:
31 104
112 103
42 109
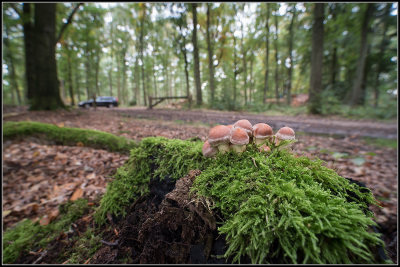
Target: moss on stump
276 208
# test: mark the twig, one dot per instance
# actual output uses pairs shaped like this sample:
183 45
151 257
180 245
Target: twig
110 243
44 253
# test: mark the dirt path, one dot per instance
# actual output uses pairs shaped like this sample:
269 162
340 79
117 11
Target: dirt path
307 124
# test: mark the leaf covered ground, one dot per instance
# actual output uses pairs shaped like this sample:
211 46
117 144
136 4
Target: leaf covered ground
39 176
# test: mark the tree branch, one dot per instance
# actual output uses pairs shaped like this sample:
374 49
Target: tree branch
69 20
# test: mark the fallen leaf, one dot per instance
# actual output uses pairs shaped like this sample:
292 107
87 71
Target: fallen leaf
6 212
77 194
91 176
80 144
358 161
54 214
36 153
61 124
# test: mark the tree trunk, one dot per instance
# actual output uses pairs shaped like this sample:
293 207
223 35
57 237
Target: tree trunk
28 48
123 99
137 81
210 58
199 99
356 90
290 70
251 87
47 93
87 67
367 69
276 59
382 47
77 82
334 66
118 80
154 80
97 69
69 74
235 72
141 44
110 81
266 57
314 106
244 59
112 60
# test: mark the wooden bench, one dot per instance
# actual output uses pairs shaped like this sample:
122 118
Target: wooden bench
162 98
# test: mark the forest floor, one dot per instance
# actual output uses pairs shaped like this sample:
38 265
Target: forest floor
38 176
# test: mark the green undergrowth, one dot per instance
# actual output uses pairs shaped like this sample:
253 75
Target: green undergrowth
31 236
67 135
276 208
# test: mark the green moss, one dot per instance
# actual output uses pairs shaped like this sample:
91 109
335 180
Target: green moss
28 235
67 136
85 247
155 157
275 206
288 208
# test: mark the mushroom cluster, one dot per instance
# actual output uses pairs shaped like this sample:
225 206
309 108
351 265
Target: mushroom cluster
236 137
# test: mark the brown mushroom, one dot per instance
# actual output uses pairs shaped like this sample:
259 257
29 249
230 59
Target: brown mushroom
219 137
262 132
264 148
284 133
239 139
245 125
208 150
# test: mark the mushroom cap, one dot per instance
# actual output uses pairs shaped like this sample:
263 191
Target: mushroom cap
239 136
264 148
208 150
246 125
262 131
230 126
219 135
285 133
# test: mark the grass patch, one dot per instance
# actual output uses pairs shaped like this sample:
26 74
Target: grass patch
28 235
276 208
68 136
381 142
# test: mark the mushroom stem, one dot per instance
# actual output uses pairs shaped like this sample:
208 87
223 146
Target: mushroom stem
239 148
259 141
223 148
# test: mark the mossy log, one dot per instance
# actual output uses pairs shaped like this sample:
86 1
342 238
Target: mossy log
67 136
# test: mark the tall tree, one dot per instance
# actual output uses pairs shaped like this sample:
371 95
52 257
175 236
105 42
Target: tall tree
210 56
276 55
266 55
199 98
314 105
142 18
334 67
47 88
290 69
356 96
382 47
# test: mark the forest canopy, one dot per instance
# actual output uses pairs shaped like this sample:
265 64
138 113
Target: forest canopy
238 56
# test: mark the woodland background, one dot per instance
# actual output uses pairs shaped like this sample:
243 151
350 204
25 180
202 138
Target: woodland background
240 56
